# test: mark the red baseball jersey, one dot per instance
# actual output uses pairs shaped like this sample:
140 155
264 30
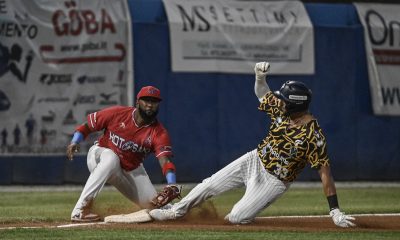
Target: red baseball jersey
130 142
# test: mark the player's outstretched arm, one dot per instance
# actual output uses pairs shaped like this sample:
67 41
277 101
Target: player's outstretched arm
168 169
260 86
339 218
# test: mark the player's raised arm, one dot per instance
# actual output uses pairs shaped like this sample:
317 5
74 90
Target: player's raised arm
260 86
339 218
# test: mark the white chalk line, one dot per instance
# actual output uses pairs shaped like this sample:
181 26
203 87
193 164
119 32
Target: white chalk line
80 224
72 225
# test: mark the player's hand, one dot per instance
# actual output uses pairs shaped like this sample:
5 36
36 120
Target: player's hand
341 219
71 150
166 195
261 69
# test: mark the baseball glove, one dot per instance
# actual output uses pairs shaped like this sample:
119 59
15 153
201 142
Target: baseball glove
169 193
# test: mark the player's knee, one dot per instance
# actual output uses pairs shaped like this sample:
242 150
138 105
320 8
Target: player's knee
209 187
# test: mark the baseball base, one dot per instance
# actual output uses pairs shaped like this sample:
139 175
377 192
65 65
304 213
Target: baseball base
135 217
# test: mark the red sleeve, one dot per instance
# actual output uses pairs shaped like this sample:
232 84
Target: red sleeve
99 120
162 144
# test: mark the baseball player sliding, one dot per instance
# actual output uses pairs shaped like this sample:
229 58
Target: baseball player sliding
294 139
129 135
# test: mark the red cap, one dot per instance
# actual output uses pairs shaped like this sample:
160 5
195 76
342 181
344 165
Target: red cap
149 91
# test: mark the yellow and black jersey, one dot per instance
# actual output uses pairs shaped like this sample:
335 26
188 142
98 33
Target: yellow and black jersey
285 151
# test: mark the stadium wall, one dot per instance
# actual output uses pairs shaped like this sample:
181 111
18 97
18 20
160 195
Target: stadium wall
213 118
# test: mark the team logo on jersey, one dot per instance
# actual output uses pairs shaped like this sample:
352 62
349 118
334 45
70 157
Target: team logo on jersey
148 141
124 145
122 125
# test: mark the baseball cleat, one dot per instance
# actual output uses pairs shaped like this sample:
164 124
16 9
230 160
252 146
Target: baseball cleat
90 217
162 214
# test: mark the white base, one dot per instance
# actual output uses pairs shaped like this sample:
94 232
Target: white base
136 217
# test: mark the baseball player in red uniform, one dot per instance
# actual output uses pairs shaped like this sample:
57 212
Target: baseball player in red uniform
129 135
294 139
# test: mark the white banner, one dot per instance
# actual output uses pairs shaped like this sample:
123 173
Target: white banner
382 38
59 61
231 36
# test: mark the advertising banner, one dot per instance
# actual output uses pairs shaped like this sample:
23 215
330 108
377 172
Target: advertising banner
230 36
382 43
59 61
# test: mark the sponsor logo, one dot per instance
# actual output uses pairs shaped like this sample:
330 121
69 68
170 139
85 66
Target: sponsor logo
91 79
49 118
69 118
122 125
21 30
106 99
75 21
297 97
53 99
84 99
148 141
124 145
50 79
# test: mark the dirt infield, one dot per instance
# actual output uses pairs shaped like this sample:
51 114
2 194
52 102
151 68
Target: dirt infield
190 222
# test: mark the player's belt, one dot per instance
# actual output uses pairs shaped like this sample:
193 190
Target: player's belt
276 176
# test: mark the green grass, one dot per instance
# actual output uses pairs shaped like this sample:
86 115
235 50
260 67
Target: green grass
186 234
55 207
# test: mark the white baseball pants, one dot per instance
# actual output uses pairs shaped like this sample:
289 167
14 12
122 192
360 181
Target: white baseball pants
262 189
104 166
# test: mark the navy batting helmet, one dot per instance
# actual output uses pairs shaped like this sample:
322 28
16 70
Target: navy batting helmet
296 95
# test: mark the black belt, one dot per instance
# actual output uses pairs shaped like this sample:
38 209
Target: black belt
277 176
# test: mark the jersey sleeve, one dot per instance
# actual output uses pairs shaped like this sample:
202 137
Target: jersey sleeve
162 144
100 119
318 155
270 104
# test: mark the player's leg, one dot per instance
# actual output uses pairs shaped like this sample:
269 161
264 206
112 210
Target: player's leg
135 185
262 189
102 163
225 179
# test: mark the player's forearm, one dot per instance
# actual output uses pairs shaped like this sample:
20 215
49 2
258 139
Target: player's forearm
168 169
261 88
81 133
328 183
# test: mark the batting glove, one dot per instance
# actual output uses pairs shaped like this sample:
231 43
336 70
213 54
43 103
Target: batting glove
341 219
261 69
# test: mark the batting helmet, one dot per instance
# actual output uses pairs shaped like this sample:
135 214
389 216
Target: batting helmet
296 95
